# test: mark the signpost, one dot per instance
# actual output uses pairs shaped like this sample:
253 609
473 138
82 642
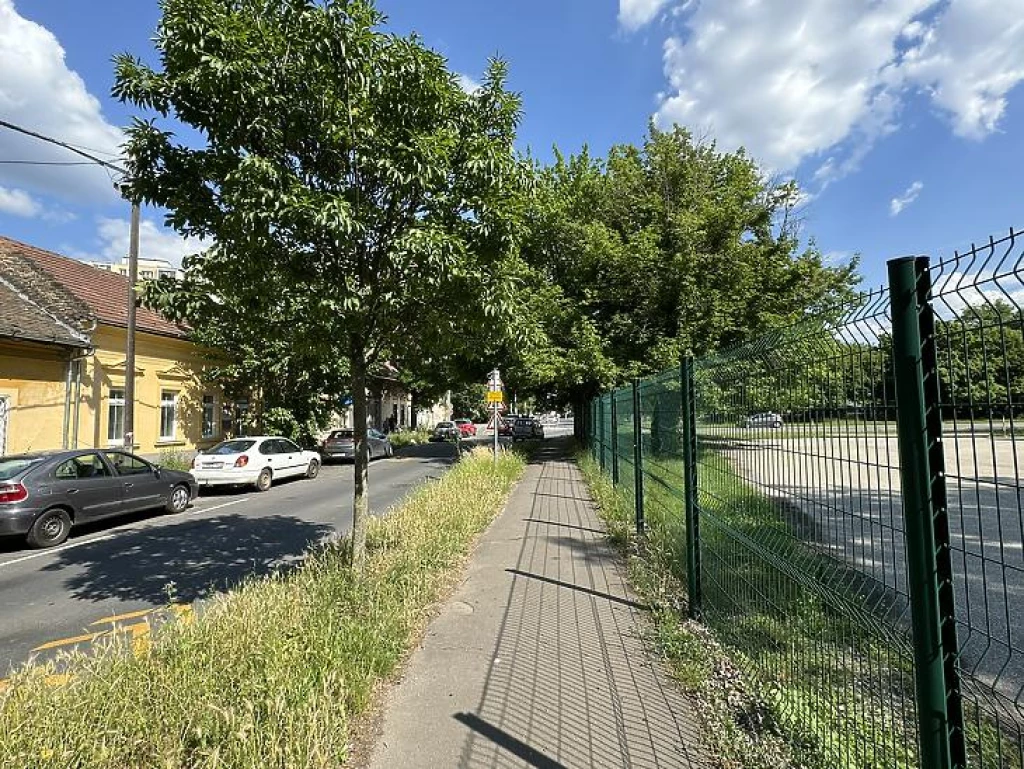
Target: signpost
494 399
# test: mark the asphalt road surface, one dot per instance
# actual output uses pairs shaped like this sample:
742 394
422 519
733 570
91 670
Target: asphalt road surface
127 566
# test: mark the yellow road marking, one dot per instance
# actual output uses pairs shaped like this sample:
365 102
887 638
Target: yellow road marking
66 641
120 617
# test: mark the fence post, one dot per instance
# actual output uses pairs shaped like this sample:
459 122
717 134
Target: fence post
615 440
600 429
926 523
638 458
688 407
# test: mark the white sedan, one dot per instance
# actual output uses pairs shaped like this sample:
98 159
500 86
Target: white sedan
258 460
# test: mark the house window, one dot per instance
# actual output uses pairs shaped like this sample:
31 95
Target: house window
115 415
168 413
209 424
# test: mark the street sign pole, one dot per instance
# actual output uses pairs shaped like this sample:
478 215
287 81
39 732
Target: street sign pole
494 385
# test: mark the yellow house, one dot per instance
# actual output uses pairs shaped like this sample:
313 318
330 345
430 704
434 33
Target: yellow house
63 333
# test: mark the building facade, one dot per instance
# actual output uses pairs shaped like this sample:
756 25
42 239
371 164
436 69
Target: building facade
63 336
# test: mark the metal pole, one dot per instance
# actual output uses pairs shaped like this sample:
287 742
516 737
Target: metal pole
638 458
919 428
615 441
494 407
129 358
688 407
600 428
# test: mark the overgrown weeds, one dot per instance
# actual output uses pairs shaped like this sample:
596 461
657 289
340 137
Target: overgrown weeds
270 674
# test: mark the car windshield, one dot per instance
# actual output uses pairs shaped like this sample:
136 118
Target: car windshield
445 425
12 466
339 434
231 447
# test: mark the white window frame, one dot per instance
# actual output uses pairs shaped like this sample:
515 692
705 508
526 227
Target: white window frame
172 404
115 436
213 422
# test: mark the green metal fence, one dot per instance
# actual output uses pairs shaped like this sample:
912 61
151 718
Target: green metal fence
842 502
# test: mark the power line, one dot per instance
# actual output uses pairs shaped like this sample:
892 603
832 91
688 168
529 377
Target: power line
48 162
65 145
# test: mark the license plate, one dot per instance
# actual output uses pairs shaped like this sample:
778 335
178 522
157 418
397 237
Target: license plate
212 465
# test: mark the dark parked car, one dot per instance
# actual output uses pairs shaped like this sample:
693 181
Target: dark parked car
43 495
527 427
446 431
340 444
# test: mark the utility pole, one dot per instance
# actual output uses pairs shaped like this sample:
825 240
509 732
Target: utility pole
129 358
133 268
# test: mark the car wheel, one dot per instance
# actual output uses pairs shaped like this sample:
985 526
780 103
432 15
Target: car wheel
777 425
179 499
264 479
313 470
389 451
50 529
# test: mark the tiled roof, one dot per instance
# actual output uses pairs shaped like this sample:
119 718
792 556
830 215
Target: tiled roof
20 318
104 293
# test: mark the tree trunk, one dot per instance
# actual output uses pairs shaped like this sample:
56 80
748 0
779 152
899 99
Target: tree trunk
361 497
412 410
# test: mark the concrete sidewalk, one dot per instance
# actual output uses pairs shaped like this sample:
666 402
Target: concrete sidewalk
537 659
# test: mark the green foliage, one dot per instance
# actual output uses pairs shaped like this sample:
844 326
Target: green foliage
173 459
468 402
361 204
661 249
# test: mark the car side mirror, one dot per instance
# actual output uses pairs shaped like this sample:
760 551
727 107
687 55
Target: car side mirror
156 470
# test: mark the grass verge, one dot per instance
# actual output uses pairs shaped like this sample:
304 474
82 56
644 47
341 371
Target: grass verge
272 673
733 716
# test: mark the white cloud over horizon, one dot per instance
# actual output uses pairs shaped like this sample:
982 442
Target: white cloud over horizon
467 83
155 242
897 204
805 80
38 91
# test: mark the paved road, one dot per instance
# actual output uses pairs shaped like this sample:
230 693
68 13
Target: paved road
124 566
847 493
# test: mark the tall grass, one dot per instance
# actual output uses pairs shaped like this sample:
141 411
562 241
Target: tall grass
270 674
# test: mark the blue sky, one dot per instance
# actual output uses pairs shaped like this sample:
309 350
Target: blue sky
901 119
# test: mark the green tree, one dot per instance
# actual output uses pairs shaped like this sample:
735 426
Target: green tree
338 165
666 248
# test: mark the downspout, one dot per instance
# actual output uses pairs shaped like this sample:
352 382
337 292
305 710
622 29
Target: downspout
67 402
78 394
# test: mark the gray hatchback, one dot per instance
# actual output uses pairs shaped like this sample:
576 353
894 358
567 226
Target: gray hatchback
43 495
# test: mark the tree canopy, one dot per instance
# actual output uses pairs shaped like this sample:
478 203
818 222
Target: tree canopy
343 175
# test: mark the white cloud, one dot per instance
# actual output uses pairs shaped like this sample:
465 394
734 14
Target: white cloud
155 242
468 84
18 203
792 80
39 92
634 14
969 61
909 196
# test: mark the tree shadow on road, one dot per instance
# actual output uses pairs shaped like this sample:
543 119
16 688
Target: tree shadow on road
187 560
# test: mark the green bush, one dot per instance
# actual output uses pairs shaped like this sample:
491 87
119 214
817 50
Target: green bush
270 674
409 437
175 459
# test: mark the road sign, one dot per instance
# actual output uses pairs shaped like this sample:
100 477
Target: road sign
494 396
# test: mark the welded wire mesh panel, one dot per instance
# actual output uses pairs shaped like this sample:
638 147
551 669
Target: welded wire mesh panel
803 561
661 415
626 467
977 299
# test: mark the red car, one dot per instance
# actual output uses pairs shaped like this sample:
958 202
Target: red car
466 427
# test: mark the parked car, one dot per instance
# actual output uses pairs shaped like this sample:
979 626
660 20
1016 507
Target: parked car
256 460
767 419
44 494
341 444
505 426
466 427
445 431
527 427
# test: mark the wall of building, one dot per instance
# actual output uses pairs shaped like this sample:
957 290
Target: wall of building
166 372
33 382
